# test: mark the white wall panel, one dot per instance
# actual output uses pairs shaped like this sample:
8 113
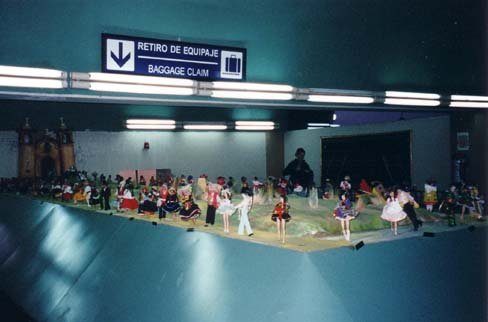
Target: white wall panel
214 153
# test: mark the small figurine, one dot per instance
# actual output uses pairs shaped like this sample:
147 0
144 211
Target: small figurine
226 208
448 206
281 216
393 212
190 210
430 194
344 213
245 207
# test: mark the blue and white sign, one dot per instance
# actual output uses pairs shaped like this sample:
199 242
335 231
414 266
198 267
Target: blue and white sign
144 56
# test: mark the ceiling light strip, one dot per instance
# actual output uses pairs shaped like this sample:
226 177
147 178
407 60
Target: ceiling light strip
140 89
32 72
205 127
412 95
318 124
252 95
254 128
32 82
135 79
340 99
254 123
411 102
469 98
242 86
151 121
150 126
469 104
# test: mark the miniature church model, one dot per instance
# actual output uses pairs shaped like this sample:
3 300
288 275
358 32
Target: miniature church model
45 154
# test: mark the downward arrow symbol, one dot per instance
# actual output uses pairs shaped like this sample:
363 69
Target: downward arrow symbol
120 60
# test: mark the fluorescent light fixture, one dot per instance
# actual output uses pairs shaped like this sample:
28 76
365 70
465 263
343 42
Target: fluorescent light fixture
417 102
254 123
412 95
32 82
134 79
31 72
341 99
334 117
469 98
335 125
252 86
314 127
205 127
140 89
318 125
151 121
253 128
252 95
151 126
469 104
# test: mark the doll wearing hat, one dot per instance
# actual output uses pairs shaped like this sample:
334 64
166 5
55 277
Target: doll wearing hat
172 204
190 210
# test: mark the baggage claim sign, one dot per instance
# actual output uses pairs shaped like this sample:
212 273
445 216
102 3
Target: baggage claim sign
144 56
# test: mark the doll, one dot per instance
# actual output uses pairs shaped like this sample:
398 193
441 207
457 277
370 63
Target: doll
393 212
344 213
281 216
190 210
430 195
212 202
448 206
226 208
172 204
245 207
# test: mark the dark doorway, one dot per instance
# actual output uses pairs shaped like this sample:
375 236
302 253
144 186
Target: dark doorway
378 157
48 167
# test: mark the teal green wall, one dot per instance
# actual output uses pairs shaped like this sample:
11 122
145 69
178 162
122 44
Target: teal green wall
375 44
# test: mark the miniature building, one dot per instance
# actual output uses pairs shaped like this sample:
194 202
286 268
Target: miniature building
44 154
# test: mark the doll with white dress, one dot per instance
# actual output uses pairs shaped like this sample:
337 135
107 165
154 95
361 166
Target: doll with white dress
226 208
393 212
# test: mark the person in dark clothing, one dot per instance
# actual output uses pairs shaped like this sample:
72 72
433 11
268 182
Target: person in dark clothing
105 194
299 171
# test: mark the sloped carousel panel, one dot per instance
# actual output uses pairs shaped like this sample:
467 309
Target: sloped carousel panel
75 265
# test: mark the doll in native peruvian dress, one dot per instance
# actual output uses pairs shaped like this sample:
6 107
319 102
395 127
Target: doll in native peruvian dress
393 212
345 213
79 194
190 210
464 200
245 186
430 195
172 203
281 216
258 191
270 192
478 203
328 190
282 187
67 192
212 202
202 191
345 185
448 206
226 208
161 202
